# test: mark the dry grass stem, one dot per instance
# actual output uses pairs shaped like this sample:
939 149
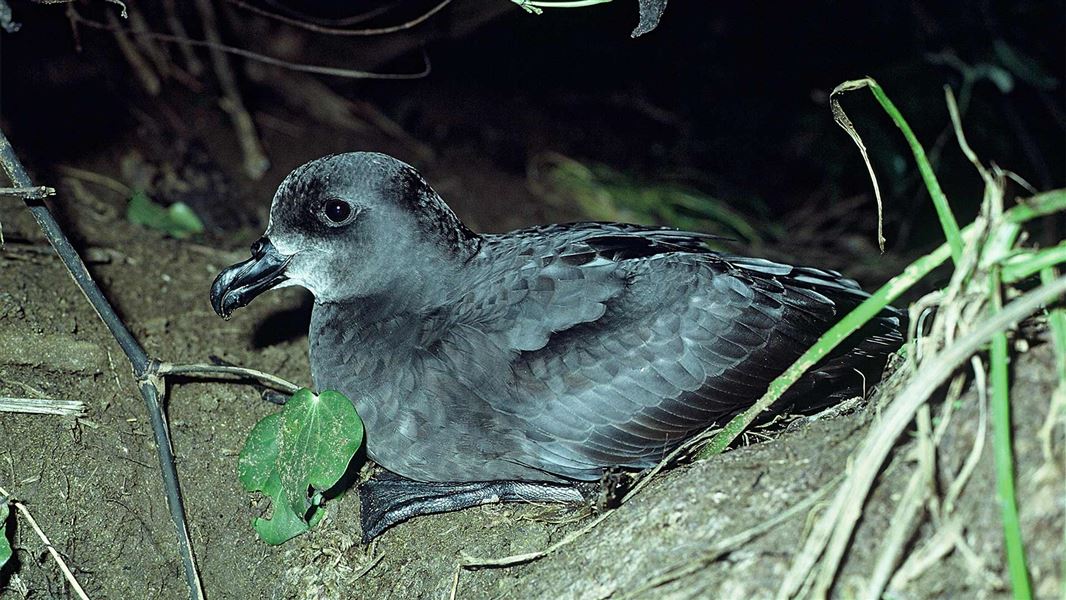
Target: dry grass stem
141 69
310 26
42 406
834 529
25 512
905 519
255 160
845 123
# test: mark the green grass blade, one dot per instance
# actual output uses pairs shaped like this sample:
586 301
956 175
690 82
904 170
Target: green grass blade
940 201
1041 205
1057 324
1004 454
836 334
5 546
1037 206
1028 263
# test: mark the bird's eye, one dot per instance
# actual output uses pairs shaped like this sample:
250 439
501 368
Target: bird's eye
337 211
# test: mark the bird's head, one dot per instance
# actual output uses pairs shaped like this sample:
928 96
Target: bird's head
347 226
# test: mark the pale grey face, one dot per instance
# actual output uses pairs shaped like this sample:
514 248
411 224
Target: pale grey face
344 226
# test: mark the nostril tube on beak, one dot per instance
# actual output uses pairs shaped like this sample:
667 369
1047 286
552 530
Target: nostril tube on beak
259 247
238 284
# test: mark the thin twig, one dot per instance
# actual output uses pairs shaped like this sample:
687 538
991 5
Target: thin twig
103 180
149 80
348 21
189 369
340 31
192 62
156 54
138 358
78 19
724 546
28 193
256 162
25 512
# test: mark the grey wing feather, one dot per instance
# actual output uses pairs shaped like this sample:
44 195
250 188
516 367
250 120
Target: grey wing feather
623 341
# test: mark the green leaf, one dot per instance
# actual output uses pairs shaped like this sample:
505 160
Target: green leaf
319 436
256 464
5 546
177 220
183 220
297 454
1025 263
603 194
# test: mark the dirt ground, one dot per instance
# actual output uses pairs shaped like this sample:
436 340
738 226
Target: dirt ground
94 484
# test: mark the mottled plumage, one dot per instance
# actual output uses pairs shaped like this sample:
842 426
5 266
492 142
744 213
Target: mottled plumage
546 354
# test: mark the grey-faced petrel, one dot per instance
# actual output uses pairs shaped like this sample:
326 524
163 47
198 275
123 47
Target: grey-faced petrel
496 367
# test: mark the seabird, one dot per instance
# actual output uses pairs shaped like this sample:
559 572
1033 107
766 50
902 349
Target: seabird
516 366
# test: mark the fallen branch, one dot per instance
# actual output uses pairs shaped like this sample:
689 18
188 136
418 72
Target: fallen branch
77 19
150 385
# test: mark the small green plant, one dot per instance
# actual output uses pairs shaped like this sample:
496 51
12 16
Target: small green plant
177 220
295 456
5 546
603 194
986 255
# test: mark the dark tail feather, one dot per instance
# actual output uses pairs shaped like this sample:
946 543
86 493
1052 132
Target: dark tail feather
858 362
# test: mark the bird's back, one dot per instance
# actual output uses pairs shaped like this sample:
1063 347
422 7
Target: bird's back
686 338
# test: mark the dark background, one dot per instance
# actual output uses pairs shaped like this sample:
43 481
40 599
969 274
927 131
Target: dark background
727 97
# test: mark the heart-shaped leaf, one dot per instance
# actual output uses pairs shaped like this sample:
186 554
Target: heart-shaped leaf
297 454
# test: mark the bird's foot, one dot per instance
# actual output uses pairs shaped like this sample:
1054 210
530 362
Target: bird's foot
837 410
388 499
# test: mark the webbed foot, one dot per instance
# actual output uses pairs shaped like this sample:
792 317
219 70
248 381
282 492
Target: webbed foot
388 499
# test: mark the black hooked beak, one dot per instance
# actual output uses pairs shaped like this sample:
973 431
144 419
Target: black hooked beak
239 284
